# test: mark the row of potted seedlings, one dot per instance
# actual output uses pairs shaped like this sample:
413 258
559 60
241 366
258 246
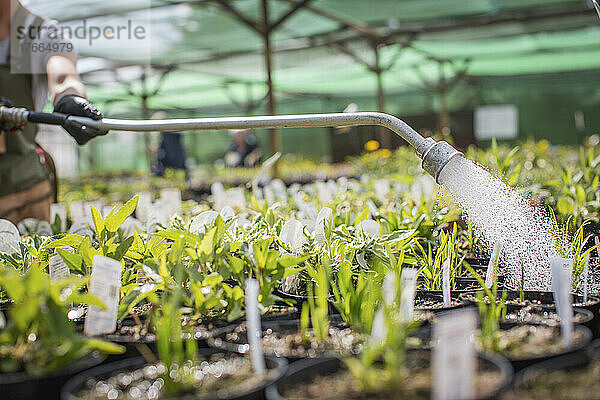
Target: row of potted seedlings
358 304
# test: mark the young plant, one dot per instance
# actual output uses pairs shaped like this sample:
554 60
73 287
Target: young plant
381 366
316 308
38 338
431 265
491 311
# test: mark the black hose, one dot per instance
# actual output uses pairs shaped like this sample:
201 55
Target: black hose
46 118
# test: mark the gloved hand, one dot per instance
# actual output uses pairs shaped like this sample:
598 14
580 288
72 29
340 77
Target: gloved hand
71 104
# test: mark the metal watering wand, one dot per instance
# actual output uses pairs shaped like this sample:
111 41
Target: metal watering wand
435 155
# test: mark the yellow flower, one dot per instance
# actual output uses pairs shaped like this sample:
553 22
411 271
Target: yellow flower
385 153
371 145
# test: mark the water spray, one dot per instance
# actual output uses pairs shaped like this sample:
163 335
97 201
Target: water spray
435 155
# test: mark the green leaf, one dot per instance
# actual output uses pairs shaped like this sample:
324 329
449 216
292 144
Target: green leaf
98 222
236 264
580 194
73 261
105 346
565 205
115 219
289 260
68 240
122 248
362 216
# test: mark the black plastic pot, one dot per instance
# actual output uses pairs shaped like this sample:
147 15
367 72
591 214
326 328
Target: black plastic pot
19 386
75 385
219 341
570 362
436 296
546 299
477 261
581 317
575 351
308 369
299 300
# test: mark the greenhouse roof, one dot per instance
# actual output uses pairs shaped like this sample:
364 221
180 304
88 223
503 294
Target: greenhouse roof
213 50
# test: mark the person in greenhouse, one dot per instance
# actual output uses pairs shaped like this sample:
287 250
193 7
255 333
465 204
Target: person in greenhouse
243 150
34 64
171 152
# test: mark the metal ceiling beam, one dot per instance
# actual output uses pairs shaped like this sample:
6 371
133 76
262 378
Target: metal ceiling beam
296 6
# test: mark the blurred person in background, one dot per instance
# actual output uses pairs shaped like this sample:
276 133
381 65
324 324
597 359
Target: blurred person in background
25 188
243 150
170 153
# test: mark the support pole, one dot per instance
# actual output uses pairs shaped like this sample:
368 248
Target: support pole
274 138
384 138
146 115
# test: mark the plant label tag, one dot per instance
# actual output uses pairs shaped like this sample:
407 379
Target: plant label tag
144 204
370 228
561 287
408 283
10 238
203 221
454 356
446 282
254 328
269 195
60 211
379 328
372 208
57 267
382 189
489 275
105 283
171 201
76 210
87 207
323 219
292 234
388 288
586 272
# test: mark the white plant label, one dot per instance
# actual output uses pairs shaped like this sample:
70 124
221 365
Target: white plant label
561 287
171 201
82 226
269 195
9 237
408 282
87 207
446 282
489 275
370 228
142 210
203 221
382 189
76 210
59 210
454 357
292 234
586 272
105 283
279 189
372 208
227 213
254 328
323 219
388 288
378 328
57 267
324 192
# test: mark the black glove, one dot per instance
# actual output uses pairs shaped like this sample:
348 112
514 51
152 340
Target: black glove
71 104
